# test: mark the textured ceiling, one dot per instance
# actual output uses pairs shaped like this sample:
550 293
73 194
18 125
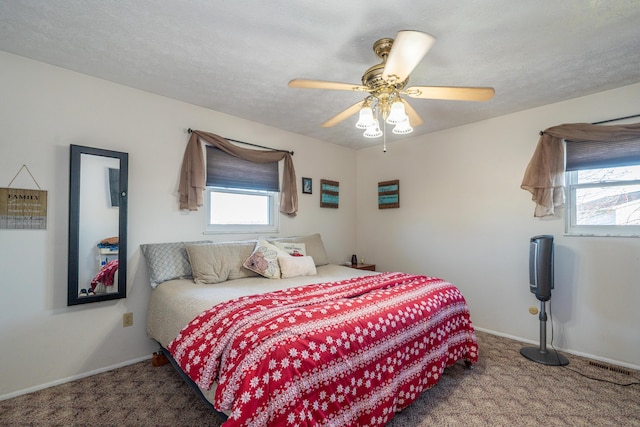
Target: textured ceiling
238 56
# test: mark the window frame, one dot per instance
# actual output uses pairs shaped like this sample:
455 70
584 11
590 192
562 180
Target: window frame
274 218
573 229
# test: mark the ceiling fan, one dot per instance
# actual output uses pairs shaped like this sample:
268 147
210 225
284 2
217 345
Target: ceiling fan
385 84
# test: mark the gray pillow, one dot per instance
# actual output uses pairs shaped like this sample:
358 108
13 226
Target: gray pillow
168 261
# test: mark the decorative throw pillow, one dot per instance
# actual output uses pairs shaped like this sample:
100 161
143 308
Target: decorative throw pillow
294 266
167 261
313 246
264 260
293 249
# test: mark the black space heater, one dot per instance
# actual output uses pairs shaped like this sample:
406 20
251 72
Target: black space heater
540 284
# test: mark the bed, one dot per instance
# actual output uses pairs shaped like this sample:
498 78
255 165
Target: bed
322 344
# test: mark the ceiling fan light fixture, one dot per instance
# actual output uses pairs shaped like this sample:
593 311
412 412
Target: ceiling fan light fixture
397 114
365 120
403 128
373 131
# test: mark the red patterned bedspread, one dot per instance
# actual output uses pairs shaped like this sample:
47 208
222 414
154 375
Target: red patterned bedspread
349 353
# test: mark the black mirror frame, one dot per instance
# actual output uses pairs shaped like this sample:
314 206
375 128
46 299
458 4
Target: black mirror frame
74 225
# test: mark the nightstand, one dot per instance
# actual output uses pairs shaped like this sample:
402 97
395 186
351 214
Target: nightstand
370 267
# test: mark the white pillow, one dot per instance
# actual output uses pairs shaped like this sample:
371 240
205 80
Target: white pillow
264 260
313 246
294 266
293 249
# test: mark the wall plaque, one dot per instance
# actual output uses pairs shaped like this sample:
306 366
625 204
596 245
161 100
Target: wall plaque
389 194
329 193
23 209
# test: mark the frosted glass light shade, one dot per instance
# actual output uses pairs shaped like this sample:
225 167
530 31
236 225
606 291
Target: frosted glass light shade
403 128
365 119
397 113
373 131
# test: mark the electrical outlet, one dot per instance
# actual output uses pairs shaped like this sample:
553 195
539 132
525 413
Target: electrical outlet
127 320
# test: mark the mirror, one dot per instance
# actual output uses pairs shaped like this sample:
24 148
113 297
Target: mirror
98 181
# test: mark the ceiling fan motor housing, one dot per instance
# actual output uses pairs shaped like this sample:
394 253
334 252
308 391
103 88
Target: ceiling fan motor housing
372 78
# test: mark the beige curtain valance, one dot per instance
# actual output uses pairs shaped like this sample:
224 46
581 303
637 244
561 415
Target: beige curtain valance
193 174
544 177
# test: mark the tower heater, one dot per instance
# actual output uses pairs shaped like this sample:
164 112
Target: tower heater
541 284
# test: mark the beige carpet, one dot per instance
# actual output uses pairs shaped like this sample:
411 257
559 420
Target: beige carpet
503 389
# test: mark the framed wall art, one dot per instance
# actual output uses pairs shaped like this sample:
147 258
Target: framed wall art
307 186
389 194
329 193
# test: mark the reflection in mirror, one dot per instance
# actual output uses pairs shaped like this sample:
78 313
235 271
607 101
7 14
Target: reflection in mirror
97 225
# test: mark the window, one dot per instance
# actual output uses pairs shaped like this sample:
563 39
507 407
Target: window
242 196
231 210
603 188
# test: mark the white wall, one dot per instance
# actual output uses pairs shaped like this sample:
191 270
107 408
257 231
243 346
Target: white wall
463 217
44 109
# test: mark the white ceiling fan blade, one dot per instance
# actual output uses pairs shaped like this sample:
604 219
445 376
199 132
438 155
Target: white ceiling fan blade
414 118
455 93
343 114
321 84
408 49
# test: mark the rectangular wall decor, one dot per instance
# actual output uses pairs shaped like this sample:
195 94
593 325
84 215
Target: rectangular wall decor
329 193
23 209
307 185
389 194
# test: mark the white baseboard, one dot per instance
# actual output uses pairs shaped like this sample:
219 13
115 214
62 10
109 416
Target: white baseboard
576 353
72 378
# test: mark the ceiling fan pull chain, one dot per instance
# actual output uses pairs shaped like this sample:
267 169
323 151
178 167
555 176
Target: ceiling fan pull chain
384 137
